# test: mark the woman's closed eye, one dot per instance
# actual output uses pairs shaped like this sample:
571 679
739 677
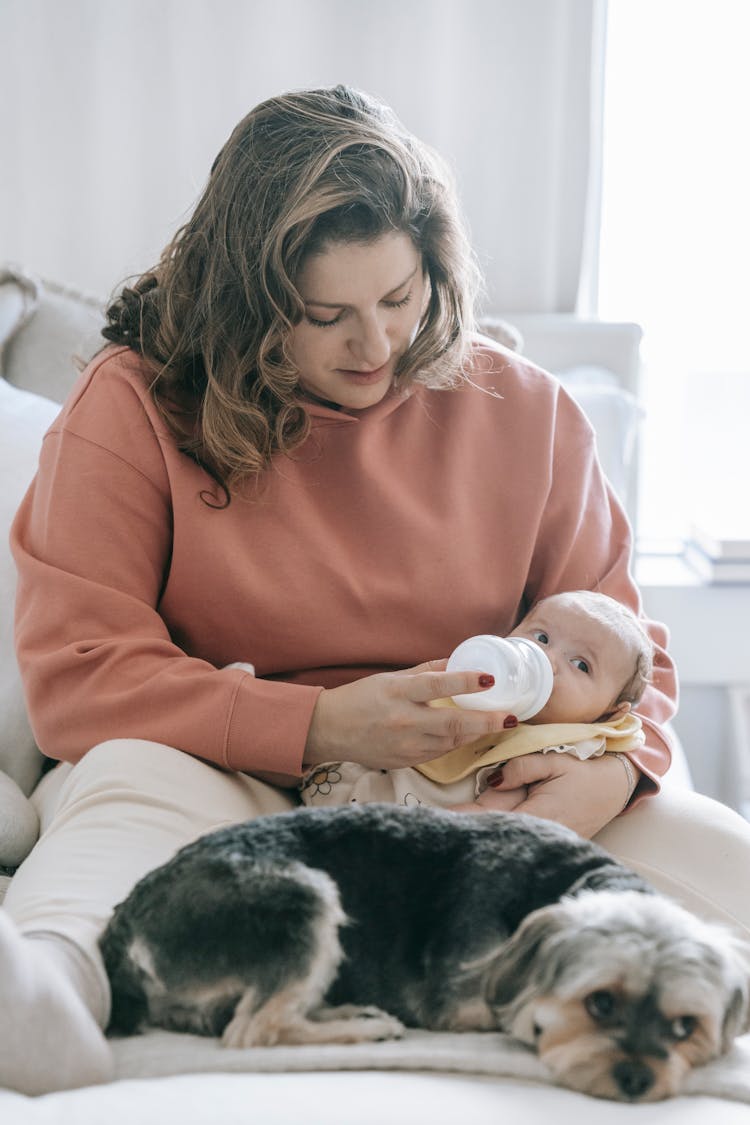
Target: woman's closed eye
323 323
318 323
400 304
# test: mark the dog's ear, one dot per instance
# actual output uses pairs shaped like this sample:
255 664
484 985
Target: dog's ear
528 963
736 1018
737 1015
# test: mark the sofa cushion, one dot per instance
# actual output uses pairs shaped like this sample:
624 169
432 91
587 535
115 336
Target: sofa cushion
24 418
613 410
616 415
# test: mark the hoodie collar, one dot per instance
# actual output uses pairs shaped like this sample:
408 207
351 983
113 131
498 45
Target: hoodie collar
323 413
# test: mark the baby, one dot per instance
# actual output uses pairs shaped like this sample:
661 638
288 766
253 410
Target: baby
602 660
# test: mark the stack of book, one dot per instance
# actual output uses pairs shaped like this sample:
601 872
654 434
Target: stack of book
720 557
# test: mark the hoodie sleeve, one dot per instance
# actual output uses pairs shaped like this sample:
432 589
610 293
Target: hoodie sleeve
92 545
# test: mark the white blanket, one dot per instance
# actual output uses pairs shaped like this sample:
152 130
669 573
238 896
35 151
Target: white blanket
160 1053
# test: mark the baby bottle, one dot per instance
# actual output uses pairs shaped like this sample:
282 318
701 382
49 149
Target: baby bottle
523 674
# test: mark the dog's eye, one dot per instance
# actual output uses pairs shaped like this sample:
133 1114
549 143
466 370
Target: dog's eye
683 1027
600 1004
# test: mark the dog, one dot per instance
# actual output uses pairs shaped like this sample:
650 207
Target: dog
339 925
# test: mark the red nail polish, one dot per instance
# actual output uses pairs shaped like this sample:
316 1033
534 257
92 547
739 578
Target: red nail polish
510 722
495 778
486 680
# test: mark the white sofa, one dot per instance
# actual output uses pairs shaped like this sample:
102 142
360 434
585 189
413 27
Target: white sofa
430 1078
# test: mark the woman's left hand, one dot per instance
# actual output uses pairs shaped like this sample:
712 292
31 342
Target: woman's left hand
584 795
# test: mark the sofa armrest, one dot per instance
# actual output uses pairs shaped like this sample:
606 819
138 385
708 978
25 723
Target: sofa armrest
47 332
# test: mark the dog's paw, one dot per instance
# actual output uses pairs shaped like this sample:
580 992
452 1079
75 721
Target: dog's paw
370 1012
359 1022
389 1027
380 1025
362 1029
347 1012
241 1034
349 1024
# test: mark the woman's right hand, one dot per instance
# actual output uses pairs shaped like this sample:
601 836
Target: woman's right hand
384 721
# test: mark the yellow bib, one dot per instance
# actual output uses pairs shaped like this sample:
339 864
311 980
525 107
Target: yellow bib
622 735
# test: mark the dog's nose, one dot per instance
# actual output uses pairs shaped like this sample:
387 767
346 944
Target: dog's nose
634 1078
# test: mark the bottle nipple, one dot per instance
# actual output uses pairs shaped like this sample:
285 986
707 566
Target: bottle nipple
523 674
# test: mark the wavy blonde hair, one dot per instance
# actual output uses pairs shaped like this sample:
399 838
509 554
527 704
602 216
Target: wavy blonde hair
213 319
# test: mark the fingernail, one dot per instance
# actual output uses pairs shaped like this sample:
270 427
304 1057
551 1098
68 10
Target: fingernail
495 778
510 722
486 680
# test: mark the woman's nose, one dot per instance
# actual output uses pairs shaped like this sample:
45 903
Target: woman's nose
370 344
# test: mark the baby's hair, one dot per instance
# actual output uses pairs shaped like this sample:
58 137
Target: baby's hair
630 629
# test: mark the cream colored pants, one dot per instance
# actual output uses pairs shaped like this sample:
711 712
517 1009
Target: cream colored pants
129 805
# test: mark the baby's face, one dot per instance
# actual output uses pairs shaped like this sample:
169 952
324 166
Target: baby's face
590 661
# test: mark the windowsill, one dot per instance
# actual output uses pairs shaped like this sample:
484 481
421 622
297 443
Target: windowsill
702 619
667 570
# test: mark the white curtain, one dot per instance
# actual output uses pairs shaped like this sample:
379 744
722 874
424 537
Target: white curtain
111 112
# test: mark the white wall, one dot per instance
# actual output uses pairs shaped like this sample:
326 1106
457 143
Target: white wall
112 111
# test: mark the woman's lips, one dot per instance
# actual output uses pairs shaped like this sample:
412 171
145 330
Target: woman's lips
365 377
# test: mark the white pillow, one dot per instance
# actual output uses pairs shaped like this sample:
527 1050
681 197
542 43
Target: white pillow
615 415
24 418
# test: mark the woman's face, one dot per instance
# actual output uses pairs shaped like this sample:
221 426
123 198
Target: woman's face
363 306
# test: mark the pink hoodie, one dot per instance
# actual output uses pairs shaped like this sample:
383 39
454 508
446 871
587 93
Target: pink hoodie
390 536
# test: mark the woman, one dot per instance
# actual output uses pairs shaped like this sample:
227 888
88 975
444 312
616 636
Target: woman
295 455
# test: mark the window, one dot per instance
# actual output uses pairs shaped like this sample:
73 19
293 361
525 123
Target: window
675 249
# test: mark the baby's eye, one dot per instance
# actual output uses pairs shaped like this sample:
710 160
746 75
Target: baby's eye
540 637
580 664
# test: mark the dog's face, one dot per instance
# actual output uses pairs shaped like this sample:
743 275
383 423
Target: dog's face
620 993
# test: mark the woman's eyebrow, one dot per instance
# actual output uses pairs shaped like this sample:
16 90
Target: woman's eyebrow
343 304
